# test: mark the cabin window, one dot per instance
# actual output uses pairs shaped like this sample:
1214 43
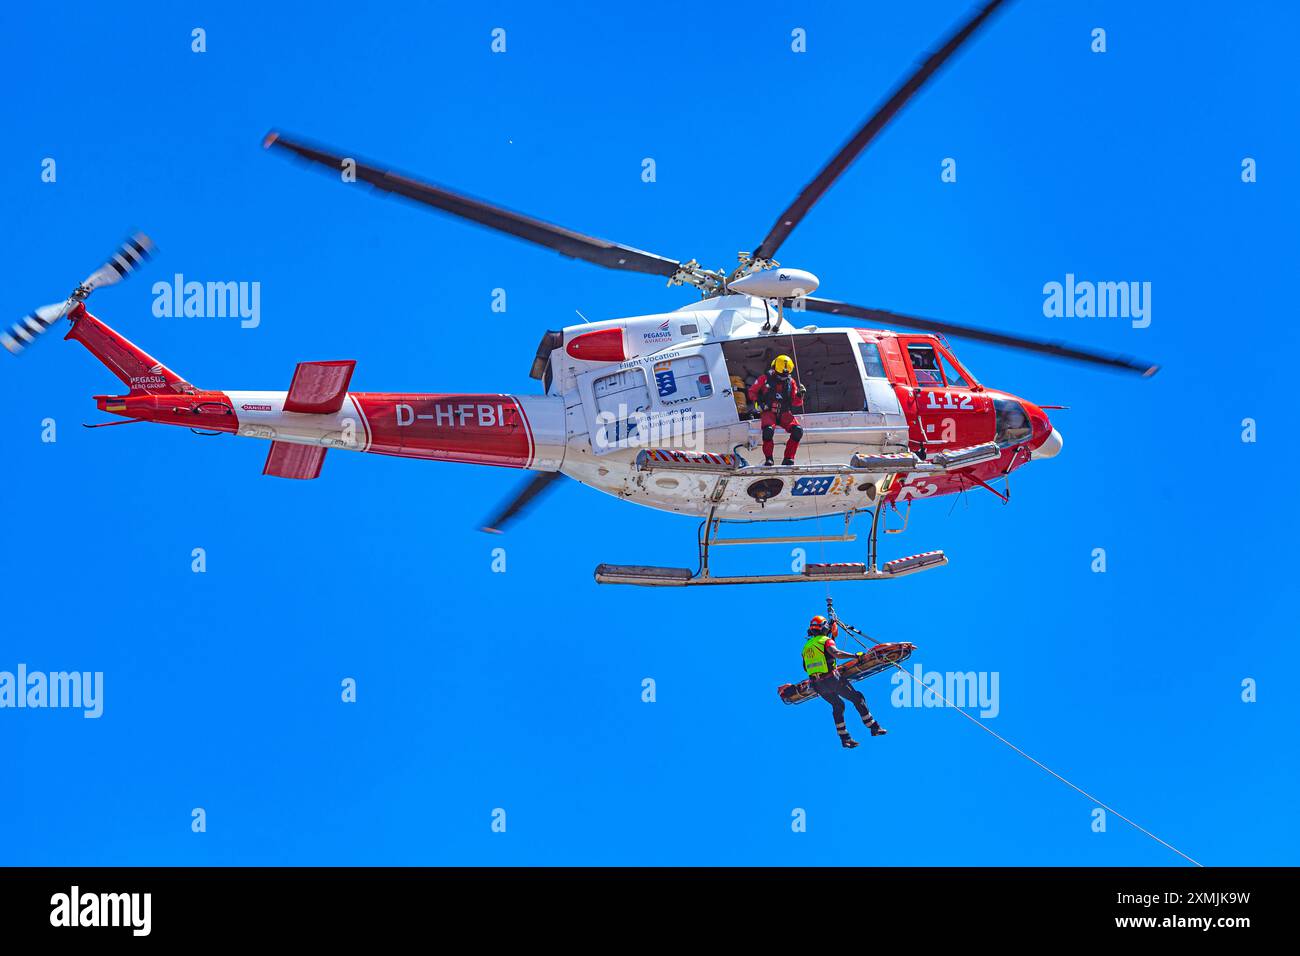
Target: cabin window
682 380
1013 424
925 364
957 374
824 364
622 401
871 361
934 367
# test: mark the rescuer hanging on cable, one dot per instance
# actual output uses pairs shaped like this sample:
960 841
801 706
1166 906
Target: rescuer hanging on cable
819 657
773 397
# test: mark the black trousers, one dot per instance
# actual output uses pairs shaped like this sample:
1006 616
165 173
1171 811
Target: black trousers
831 688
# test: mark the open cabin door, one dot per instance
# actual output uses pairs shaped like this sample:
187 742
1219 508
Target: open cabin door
825 364
850 397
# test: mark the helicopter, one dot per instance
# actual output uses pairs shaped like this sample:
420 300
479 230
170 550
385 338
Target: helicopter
653 409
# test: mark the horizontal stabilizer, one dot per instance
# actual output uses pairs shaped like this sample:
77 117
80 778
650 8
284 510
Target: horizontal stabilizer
287 460
319 388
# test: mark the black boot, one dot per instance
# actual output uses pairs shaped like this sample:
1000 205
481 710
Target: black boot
847 742
787 461
768 461
872 724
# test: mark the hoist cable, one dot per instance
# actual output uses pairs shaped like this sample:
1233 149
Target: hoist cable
853 632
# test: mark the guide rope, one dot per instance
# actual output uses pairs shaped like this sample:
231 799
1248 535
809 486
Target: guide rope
854 632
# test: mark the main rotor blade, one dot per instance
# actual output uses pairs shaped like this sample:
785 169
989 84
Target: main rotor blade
523 497
863 137
564 241
897 320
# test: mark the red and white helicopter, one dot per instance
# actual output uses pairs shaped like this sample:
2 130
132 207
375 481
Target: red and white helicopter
651 408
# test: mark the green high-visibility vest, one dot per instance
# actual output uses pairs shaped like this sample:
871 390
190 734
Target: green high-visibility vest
814 656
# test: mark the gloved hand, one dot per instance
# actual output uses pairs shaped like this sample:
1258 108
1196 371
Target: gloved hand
802 391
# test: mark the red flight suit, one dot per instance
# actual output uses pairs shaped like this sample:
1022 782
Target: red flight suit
776 395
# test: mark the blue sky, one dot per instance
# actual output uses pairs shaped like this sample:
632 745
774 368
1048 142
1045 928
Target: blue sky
522 690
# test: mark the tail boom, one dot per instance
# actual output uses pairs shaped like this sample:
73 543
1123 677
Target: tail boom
485 429
510 431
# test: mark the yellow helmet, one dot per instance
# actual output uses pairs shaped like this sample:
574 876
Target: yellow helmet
783 364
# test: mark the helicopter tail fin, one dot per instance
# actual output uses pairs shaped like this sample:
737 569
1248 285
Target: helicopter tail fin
137 369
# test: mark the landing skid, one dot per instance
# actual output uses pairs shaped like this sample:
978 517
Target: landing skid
647 576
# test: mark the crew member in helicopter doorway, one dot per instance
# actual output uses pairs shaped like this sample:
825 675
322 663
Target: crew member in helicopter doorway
774 396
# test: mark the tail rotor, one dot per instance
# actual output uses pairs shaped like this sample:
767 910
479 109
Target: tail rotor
129 257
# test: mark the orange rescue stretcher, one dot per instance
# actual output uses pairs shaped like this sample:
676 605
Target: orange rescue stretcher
879 658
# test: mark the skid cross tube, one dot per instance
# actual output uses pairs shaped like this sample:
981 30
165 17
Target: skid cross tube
715 538
707 536
711 528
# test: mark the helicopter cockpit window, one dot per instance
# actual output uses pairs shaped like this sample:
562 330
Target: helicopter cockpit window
871 361
925 363
1013 423
954 378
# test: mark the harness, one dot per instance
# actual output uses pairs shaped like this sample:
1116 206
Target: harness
778 392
